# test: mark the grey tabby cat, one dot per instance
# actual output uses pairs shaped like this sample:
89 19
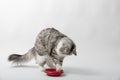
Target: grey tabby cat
50 48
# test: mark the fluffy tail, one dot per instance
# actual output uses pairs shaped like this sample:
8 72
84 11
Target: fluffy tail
16 58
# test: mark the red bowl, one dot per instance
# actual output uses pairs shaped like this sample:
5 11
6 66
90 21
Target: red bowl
53 72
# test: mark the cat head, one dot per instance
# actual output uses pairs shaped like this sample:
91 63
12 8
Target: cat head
66 47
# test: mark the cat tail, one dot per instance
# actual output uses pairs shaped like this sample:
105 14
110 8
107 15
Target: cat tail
16 58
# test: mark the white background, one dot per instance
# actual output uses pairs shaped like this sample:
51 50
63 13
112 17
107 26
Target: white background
94 25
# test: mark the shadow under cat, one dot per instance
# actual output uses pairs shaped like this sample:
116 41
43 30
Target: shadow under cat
25 66
81 71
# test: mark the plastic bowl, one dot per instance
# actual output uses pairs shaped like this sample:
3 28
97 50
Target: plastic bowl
53 72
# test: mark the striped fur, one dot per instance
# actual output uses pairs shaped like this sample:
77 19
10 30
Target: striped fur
50 48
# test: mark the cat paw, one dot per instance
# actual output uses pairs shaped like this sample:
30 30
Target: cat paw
58 69
42 69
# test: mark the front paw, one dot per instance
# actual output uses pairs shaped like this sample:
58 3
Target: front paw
58 69
42 69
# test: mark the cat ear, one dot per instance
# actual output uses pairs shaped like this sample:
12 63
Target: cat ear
74 52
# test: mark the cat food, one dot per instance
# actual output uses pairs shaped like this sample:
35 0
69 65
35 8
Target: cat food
53 72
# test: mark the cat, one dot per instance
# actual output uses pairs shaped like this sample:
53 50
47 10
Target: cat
50 48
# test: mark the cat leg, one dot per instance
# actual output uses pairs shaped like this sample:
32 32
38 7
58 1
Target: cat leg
50 63
59 65
41 65
36 58
41 61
